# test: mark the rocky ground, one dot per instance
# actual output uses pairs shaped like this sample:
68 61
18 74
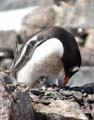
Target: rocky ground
72 102
19 102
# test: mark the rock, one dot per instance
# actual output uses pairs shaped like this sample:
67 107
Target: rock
88 88
78 96
84 76
66 93
64 13
90 39
6 63
8 39
81 9
59 110
22 107
75 21
58 2
44 102
73 9
40 18
14 105
93 112
7 48
87 57
18 101
91 98
37 91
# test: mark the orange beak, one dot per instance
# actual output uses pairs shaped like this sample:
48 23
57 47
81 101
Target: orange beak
66 79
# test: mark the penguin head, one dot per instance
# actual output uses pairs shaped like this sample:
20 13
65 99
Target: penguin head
72 65
69 74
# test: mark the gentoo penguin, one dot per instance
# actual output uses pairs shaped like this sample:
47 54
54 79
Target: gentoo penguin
52 54
81 33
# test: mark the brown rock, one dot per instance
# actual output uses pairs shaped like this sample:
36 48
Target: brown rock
59 110
6 63
7 39
7 48
87 56
58 2
90 39
37 20
14 105
73 9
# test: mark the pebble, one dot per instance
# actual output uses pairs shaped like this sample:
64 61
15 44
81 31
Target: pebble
37 91
50 89
85 94
91 98
11 87
77 95
66 93
45 102
59 96
47 93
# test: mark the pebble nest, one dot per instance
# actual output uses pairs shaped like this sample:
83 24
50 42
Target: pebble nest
84 96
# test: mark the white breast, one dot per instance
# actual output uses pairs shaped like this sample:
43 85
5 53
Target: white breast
27 73
50 46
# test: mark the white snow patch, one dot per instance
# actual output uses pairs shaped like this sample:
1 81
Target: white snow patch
12 19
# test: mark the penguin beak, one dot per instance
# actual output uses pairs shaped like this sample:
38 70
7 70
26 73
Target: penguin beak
66 79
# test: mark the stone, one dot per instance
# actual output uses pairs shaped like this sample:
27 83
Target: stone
66 93
40 18
7 48
72 9
81 9
14 105
83 76
59 96
59 110
22 107
8 40
78 96
36 91
87 56
6 63
90 98
58 2
90 39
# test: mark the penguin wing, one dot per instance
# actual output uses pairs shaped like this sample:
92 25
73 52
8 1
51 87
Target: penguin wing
25 53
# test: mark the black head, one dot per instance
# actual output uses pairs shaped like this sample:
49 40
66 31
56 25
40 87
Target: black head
72 56
71 59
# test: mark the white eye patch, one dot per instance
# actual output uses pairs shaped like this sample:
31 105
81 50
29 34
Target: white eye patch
75 69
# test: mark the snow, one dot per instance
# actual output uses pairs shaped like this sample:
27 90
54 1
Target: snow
11 20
